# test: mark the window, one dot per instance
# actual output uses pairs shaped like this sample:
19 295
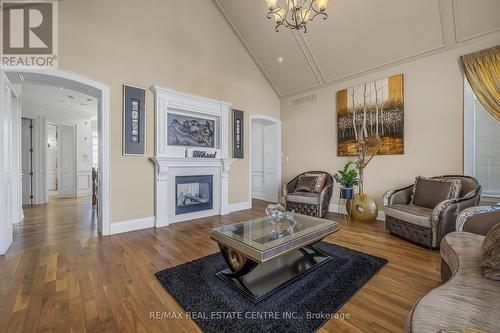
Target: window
481 144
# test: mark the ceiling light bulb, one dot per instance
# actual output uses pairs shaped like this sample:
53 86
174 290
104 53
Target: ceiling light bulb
322 4
292 4
280 59
304 15
278 16
272 5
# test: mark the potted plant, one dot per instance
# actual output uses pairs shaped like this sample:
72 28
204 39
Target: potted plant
347 178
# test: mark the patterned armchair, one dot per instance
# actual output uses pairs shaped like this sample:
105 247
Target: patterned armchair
427 225
313 202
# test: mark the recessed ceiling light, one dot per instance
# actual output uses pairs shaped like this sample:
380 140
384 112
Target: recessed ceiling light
280 59
61 88
71 97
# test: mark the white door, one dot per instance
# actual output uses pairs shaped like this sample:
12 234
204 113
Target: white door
66 162
26 157
270 162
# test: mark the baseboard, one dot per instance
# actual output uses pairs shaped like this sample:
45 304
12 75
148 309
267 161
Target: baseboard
335 208
131 225
240 206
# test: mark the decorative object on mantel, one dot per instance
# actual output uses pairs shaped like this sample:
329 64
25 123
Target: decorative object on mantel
201 153
482 69
134 119
237 134
297 13
371 109
362 206
190 131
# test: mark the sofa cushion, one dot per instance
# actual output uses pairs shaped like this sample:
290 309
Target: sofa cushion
320 180
429 192
305 184
310 198
410 213
490 254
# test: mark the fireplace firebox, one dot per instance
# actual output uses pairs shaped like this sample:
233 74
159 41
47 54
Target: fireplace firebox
193 194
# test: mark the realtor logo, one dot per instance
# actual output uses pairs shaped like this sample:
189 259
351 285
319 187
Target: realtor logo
29 36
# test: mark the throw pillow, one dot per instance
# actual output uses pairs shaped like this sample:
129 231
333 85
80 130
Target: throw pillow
305 184
320 181
490 254
429 192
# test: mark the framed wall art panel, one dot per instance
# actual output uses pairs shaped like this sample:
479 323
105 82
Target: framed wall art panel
238 134
134 120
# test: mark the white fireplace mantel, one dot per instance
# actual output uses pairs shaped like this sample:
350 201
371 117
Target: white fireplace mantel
171 161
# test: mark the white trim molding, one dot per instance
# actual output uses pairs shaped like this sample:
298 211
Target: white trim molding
335 208
131 225
236 207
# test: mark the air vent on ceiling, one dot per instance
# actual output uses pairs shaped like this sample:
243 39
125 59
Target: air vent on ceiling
304 99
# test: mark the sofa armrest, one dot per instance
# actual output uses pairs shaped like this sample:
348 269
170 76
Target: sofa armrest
478 220
399 196
445 214
291 185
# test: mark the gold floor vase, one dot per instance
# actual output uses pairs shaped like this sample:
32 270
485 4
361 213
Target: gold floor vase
362 208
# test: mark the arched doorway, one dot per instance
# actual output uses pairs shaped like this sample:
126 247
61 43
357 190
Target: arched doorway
76 83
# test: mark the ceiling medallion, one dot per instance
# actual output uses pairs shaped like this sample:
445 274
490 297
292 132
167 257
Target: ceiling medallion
297 13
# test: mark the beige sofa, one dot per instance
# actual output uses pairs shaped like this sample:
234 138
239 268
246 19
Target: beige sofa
468 301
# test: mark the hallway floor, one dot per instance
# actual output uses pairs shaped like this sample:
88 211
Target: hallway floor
58 220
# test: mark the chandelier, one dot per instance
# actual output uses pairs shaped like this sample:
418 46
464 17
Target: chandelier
297 13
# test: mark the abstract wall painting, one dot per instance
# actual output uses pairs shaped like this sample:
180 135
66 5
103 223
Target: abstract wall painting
372 109
190 131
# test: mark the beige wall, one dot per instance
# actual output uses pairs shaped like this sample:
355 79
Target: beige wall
183 45
433 88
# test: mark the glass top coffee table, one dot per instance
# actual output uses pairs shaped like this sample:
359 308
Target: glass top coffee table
264 255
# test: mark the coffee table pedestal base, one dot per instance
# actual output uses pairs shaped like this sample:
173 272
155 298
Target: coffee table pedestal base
259 281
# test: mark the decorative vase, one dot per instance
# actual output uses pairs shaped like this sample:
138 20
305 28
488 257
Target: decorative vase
362 207
346 192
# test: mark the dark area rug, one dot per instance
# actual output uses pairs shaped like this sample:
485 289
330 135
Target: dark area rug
302 306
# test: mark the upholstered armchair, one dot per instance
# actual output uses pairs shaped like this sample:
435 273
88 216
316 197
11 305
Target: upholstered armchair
309 193
434 215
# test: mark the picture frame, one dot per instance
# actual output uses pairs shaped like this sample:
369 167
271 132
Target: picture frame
134 121
238 134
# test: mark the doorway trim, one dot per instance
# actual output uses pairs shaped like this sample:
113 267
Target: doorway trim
104 125
277 151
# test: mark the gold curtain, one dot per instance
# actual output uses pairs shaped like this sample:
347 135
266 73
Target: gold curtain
482 70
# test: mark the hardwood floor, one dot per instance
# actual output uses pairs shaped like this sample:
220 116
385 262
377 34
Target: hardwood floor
60 276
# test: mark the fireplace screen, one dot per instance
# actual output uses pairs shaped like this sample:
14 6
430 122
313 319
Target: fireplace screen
193 193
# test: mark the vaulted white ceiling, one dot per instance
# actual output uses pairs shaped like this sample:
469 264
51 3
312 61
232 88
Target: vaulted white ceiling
359 36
